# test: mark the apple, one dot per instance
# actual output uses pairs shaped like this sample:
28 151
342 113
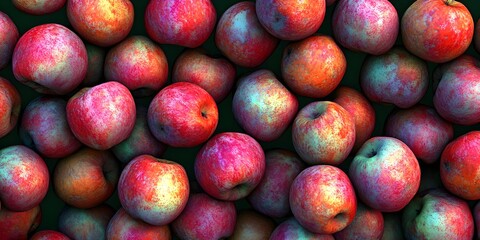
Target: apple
367 224
186 23
205 218
241 38
262 106
422 129
102 116
139 64
460 166
10 103
95 68
313 67
252 225
437 30
182 115
50 58
369 26
270 197
230 165
123 226
385 173
24 178
16 225
44 128
291 20
323 199
39 7
153 190
396 77
323 132
101 22
436 214
49 235
88 223
8 37
291 229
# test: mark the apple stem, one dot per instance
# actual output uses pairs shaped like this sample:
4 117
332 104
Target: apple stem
449 2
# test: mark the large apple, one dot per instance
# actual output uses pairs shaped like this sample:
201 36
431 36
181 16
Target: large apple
123 226
10 103
8 37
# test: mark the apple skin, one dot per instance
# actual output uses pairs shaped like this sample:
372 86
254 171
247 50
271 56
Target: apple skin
313 67
139 64
18 225
367 224
214 74
49 235
422 129
270 197
368 26
323 199
95 68
230 165
262 106
361 110
10 104
457 98
101 22
187 23
241 38
385 173
205 218
252 225
291 20
153 190
50 58
437 214
123 226
102 116
291 229
39 7
24 178
44 128
323 132
88 223
437 30
395 77
460 166
182 115
8 37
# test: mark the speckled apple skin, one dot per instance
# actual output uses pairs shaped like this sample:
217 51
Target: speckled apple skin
252 225
44 128
396 77
291 229
385 173
457 96
322 199
262 106
214 74
89 223
10 104
270 197
367 224
153 190
186 23
182 115
314 66
422 129
18 225
460 165
230 165
49 235
323 132
50 58
101 22
24 178
241 37
437 31
39 7
86 178
139 64
368 26
123 226
102 116
205 218
8 38
96 59
291 20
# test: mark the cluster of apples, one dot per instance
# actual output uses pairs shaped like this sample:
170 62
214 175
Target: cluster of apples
109 105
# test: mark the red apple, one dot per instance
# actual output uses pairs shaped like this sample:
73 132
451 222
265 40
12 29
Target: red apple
39 7
123 226
8 37
18 225
10 103
49 235
252 225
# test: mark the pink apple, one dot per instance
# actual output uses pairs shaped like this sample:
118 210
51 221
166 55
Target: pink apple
8 37
367 224
291 229
10 103
39 7
252 225
123 226
49 235
88 223
19 225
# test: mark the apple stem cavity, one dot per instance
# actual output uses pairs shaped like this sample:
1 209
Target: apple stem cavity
449 2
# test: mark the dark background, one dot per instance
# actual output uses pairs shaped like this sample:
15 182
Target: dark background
52 205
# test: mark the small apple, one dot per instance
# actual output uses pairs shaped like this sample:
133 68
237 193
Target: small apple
49 235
